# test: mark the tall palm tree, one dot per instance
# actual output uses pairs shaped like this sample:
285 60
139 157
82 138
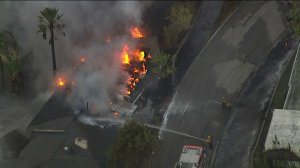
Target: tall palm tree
50 22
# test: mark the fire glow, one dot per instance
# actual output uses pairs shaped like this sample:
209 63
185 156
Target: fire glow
136 33
82 59
134 62
60 82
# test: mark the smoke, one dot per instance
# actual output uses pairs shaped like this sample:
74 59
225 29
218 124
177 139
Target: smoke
88 24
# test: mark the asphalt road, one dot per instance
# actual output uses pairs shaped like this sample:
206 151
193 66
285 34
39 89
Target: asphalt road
226 66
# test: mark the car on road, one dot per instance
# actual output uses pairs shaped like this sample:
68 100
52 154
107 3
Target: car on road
192 156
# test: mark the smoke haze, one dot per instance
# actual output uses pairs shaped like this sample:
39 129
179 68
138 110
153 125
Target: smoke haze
88 24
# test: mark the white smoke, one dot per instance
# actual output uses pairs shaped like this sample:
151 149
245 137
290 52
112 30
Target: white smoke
88 24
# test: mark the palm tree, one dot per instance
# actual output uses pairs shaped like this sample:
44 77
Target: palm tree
50 22
163 66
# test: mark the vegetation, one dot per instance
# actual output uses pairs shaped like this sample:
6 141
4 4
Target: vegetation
179 21
11 63
12 66
163 62
50 22
295 18
134 146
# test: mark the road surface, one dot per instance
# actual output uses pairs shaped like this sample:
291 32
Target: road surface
223 68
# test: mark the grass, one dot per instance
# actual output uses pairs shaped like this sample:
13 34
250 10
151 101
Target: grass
282 88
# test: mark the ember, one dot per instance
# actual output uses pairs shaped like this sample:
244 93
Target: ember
60 82
136 33
82 59
108 39
116 114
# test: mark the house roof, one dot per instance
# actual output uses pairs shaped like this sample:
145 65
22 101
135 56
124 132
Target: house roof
285 125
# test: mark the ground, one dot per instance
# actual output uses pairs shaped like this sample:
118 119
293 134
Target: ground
245 39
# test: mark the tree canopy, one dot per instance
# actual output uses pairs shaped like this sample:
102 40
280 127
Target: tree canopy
134 145
10 61
163 67
50 20
179 20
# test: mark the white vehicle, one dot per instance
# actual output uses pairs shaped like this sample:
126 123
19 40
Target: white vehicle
192 156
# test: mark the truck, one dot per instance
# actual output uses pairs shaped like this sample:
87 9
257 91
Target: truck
192 156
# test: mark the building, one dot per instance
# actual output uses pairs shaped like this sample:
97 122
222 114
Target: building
283 138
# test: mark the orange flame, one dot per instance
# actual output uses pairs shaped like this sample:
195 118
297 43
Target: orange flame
60 82
136 33
125 56
143 70
82 59
139 55
135 59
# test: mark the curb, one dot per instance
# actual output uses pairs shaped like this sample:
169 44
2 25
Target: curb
210 39
263 124
289 84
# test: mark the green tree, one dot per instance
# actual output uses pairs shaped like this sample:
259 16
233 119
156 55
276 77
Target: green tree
179 20
163 65
295 18
12 67
134 146
50 22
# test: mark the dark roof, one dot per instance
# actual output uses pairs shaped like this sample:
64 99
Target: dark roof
54 108
12 143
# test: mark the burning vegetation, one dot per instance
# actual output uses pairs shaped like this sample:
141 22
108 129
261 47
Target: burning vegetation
136 33
134 62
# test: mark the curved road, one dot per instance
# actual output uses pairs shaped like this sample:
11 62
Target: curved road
223 67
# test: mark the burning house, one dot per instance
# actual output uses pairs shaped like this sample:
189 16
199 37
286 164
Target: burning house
134 61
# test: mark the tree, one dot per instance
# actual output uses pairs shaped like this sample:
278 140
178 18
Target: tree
295 18
163 66
50 22
179 20
134 146
12 66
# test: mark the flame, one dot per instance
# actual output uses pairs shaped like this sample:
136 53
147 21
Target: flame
136 33
136 70
125 56
135 61
82 59
60 82
139 55
143 70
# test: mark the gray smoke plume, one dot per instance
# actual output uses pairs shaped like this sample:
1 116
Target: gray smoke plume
88 24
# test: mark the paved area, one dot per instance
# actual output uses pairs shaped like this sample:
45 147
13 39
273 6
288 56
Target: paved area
223 67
